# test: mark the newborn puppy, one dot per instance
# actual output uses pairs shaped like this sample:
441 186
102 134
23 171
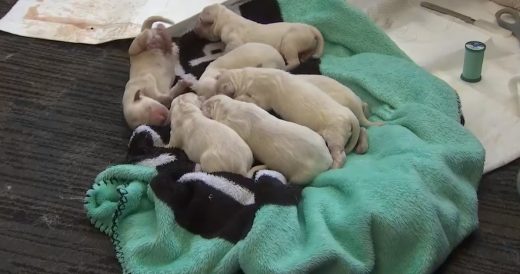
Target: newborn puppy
341 94
296 101
152 71
212 144
246 55
292 40
297 152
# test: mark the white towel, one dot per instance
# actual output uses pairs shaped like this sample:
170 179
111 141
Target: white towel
436 42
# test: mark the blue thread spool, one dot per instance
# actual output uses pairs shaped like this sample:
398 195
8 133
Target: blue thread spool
473 59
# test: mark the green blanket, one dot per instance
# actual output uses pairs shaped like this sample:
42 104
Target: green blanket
400 208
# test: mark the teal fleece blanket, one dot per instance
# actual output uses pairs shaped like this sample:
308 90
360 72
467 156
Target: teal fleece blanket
400 208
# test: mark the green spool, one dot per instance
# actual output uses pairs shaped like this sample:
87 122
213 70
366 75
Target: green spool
473 59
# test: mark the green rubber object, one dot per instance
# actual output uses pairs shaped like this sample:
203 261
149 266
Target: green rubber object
473 59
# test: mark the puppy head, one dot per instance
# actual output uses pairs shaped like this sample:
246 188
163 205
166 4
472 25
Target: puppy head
210 13
144 110
158 38
191 98
184 104
213 107
227 83
206 23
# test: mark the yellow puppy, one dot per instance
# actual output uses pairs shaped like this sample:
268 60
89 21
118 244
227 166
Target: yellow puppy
299 153
246 55
292 40
341 94
152 71
296 101
212 144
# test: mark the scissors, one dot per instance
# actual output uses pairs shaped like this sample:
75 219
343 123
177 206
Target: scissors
513 27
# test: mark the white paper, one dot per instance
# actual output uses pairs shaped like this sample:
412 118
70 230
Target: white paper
93 21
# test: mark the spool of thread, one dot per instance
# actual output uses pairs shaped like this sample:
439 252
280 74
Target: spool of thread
473 59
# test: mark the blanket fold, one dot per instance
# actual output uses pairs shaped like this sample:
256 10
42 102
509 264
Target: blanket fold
399 208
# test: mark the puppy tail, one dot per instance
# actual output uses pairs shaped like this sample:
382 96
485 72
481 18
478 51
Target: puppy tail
253 170
352 142
147 24
360 112
366 109
320 43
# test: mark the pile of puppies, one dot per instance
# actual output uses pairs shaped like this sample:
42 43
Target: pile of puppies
225 122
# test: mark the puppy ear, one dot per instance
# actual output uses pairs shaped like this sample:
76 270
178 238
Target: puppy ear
209 14
206 17
137 95
184 106
207 108
228 89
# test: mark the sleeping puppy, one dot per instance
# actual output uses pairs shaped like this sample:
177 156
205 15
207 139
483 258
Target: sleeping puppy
296 151
212 144
341 94
296 101
152 71
292 40
246 55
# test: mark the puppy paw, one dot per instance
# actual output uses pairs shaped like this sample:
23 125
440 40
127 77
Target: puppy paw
335 165
361 149
189 79
338 160
175 49
362 145
180 87
185 84
154 41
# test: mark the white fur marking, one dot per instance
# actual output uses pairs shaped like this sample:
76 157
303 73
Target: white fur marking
208 55
158 161
179 70
271 173
238 193
157 141
189 77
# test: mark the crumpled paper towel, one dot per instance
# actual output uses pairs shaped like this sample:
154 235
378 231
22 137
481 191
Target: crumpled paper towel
94 21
